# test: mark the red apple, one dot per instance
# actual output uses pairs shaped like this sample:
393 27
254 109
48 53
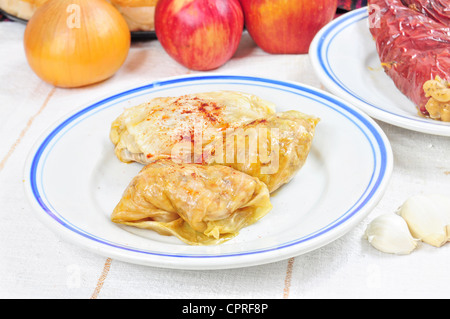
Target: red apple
286 26
199 34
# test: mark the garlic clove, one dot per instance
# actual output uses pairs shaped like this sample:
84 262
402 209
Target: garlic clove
389 233
428 218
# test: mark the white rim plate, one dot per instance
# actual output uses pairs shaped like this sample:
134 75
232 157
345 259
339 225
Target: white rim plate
345 58
73 179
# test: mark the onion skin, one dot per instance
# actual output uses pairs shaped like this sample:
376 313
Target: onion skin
199 34
73 55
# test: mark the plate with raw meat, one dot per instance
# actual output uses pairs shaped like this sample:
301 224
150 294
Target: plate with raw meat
348 60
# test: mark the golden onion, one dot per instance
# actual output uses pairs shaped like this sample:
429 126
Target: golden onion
73 43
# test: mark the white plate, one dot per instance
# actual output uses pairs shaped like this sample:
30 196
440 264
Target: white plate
345 59
74 180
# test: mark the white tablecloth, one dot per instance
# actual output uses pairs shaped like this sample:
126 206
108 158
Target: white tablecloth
35 263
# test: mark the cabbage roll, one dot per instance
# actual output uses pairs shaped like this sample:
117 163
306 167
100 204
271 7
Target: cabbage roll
272 149
201 205
228 128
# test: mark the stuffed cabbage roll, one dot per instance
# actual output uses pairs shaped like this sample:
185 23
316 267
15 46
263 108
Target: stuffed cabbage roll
201 205
228 128
159 128
272 149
